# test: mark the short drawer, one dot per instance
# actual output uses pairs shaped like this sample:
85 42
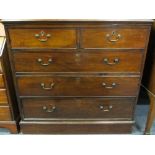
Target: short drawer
1 81
5 114
90 61
3 97
77 86
65 108
114 37
42 38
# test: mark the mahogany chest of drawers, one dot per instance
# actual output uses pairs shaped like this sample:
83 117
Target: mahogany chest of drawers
77 76
8 109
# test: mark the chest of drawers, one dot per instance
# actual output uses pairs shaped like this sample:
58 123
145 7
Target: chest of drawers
8 109
77 76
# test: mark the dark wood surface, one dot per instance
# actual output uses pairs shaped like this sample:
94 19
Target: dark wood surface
134 21
79 61
1 81
77 86
10 88
91 127
78 49
60 38
75 108
90 38
97 38
3 97
8 105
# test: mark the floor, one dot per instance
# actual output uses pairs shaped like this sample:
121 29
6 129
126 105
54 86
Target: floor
140 116
141 113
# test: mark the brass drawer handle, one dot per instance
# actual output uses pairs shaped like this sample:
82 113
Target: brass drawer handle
105 108
42 36
49 109
113 37
44 64
113 85
47 88
115 61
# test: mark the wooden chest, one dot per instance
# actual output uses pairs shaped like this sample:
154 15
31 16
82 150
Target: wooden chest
8 109
77 76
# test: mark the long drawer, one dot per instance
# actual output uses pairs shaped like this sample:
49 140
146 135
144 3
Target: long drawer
90 61
77 86
43 38
64 108
114 37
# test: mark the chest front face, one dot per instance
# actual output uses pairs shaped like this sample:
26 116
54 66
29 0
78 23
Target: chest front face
77 76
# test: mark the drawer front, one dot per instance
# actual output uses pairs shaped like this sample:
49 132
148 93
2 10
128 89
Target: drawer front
77 86
43 38
1 81
3 97
114 38
106 61
65 108
5 114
